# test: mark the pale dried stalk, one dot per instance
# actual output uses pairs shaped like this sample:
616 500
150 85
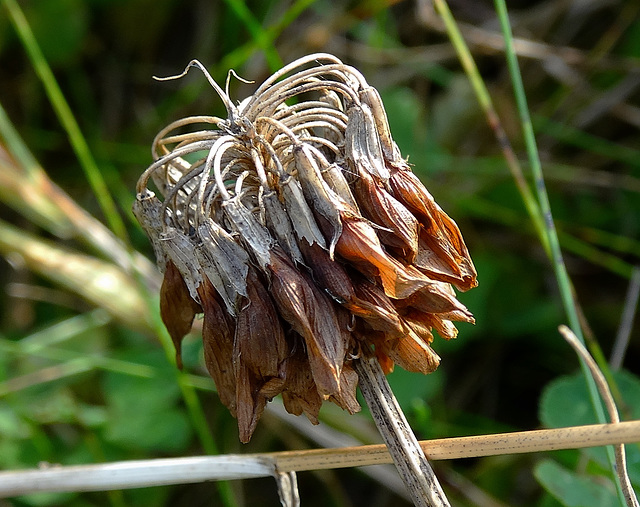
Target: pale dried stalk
145 473
605 392
407 455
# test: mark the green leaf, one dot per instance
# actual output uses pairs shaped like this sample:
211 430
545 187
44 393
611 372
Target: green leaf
573 490
11 426
143 413
167 431
410 388
565 402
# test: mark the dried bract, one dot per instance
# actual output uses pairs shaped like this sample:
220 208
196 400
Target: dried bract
303 237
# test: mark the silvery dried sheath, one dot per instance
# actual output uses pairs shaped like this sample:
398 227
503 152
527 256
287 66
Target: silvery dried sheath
225 261
362 142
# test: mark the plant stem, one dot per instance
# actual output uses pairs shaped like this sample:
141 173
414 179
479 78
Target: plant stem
67 119
154 472
408 456
565 286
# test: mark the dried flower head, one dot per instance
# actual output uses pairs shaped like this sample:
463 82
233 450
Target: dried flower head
298 230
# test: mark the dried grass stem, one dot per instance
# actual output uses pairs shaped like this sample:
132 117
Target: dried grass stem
144 473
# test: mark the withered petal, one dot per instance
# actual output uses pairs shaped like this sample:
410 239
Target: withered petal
334 177
362 144
328 274
437 264
371 97
279 223
386 363
382 314
400 226
311 315
300 213
421 324
218 330
441 234
434 298
359 245
259 339
377 339
177 307
300 394
223 261
346 397
411 353
317 193
333 278
250 403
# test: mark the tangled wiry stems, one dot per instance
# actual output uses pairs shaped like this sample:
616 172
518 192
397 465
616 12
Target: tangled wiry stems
298 230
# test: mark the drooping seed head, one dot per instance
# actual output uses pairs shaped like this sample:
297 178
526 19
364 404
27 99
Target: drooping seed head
297 229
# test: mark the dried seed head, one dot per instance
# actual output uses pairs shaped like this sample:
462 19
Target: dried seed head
303 237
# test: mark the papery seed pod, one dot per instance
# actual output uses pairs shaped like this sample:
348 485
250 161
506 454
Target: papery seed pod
250 402
218 331
440 266
311 315
411 353
334 177
224 262
384 315
421 324
259 354
252 232
177 307
346 397
259 341
300 394
147 210
178 248
371 98
434 298
442 235
317 193
279 223
360 245
300 213
302 235
399 227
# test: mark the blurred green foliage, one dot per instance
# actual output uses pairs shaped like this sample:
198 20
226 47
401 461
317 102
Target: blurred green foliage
91 390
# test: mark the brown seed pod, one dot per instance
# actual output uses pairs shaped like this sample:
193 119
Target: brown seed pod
301 234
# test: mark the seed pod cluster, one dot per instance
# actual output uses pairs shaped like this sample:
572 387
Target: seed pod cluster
303 237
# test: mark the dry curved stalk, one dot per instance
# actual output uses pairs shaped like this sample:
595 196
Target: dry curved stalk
603 388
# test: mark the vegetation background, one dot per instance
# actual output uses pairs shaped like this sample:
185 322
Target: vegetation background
83 376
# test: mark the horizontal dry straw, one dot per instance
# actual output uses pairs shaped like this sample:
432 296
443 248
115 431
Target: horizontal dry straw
144 473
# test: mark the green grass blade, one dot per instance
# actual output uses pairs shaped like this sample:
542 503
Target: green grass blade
259 34
189 394
562 276
237 57
484 99
69 123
